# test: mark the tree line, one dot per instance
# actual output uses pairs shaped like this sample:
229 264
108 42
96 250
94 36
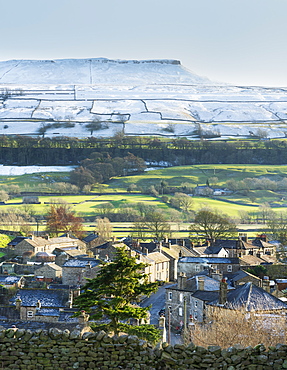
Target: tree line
26 150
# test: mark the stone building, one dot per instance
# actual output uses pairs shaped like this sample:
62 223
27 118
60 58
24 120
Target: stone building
75 271
29 247
186 300
194 265
41 304
50 272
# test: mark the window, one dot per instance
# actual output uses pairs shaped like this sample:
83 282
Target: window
169 296
195 315
180 297
229 268
197 268
195 303
180 311
29 314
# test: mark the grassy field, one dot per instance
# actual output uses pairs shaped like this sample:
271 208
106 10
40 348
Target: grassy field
86 205
199 174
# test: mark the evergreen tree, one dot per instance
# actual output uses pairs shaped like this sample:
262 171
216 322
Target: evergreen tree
113 294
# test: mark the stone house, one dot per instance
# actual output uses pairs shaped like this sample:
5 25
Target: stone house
40 304
194 265
203 190
49 272
76 271
174 253
243 246
160 266
241 277
214 251
252 298
28 248
186 300
105 251
157 265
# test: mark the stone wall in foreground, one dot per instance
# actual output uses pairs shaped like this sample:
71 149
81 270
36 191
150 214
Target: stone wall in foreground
56 349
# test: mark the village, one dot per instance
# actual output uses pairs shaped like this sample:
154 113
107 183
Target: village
41 276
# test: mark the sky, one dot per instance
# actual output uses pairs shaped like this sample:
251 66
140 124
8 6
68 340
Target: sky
242 42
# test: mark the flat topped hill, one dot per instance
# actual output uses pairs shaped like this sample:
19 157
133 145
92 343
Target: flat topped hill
96 71
100 97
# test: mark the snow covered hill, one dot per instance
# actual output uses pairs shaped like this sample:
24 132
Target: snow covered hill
99 97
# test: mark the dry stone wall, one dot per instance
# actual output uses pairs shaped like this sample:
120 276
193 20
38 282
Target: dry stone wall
56 349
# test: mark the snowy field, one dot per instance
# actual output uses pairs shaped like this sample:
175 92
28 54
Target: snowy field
21 170
155 97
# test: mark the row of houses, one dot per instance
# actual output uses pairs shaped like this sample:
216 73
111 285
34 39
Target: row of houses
68 261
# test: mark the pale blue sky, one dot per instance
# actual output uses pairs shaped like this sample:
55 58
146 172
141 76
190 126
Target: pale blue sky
236 41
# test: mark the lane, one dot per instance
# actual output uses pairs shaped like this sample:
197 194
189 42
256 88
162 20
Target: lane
157 302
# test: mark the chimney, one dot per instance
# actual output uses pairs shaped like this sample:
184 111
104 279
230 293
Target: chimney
38 305
145 251
181 281
18 303
266 284
223 292
215 274
70 301
200 282
243 237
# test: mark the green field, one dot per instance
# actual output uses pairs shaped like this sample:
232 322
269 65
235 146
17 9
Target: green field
86 205
198 174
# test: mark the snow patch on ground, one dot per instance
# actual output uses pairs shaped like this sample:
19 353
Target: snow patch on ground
21 170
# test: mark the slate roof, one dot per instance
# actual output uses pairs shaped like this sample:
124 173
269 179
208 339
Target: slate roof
58 286
89 238
192 284
213 249
16 240
9 280
158 257
48 312
81 263
226 243
207 260
47 297
52 266
206 296
252 297
240 275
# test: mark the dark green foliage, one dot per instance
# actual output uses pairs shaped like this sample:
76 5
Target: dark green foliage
259 271
114 293
25 150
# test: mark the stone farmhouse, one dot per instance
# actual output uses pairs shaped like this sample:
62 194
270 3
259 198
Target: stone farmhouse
29 247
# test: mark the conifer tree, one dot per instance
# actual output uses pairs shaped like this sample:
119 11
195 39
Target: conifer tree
114 293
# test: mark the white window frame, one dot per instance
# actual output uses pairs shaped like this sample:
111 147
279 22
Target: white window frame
170 296
180 311
180 297
197 268
229 268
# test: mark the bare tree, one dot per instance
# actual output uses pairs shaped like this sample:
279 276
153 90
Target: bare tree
104 228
